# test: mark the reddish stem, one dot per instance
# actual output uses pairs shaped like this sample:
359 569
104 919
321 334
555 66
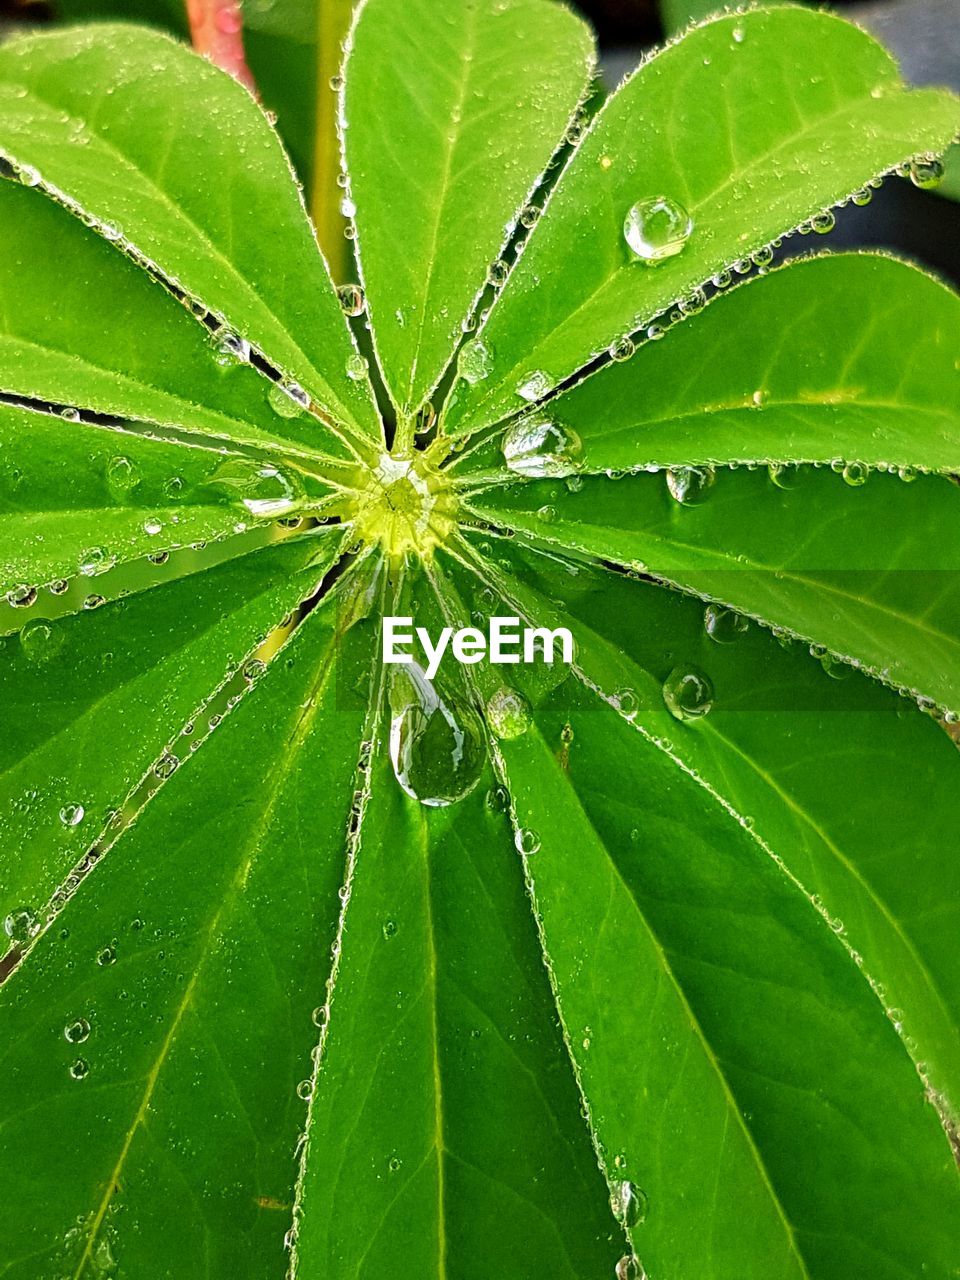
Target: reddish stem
216 28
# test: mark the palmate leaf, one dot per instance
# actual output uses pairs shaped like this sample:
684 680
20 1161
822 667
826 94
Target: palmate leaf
644 993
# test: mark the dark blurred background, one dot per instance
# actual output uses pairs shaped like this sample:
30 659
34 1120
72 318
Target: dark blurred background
924 35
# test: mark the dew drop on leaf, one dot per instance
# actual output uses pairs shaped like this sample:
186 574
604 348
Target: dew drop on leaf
629 1268
122 476
287 399
436 746
356 367
76 1032
628 1202
22 596
627 703
475 361
526 842
389 930
926 173
688 693
20 926
783 474
540 448
508 713
855 474
690 485
824 222
71 815
80 1069
534 386
40 641
351 299
657 229
724 625
106 957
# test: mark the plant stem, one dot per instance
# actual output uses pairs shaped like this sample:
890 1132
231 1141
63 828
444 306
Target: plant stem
333 26
216 28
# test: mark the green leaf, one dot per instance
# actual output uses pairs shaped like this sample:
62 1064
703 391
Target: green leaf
850 357
175 160
195 950
118 344
785 146
94 700
439 180
869 572
440 988
670 928
778 718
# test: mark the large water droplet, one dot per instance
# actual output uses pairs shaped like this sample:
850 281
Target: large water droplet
262 488
724 625
628 1202
122 476
508 713
76 1032
540 448
287 399
71 815
526 841
925 173
687 693
534 386
40 640
80 1069
629 1268
657 229
20 926
351 299
690 485
22 596
475 361
436 747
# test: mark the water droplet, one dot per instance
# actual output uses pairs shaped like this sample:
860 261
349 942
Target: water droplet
622 350
546 513
783 475
824 222
862 197
122 476
356 367
351 299
152 526
93 601
657 229
627 703
76 1032
287 399
629 1268
22 596
262 488
305 1090
394 1163
106 957
230 348
526 842
70 414
722 280
926 173
539 448
20 926
690 485
475 361
436 747
855 474
40 640
389 929
762 257
497 275
80 1069
253 669
724 625
834 668
95 560
655 332
688 693
529 215
166 766
739 35
907 474
508 713
534 386
71 815
319 1016
629 1203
